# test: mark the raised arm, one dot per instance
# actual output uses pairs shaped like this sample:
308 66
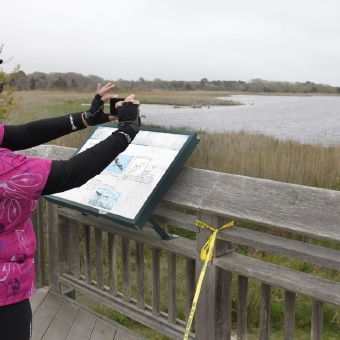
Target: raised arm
19 137
65 175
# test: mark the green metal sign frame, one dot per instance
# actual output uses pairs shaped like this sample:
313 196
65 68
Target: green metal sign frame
157 192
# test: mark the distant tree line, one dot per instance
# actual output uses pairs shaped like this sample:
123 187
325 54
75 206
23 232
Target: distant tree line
75 81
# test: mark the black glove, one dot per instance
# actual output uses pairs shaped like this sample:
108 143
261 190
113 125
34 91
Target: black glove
96 114
129 121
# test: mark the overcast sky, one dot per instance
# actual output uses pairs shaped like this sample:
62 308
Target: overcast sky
285 40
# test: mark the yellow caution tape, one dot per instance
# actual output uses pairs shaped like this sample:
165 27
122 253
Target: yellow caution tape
206 256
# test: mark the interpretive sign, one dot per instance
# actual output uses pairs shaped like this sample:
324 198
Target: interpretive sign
129 189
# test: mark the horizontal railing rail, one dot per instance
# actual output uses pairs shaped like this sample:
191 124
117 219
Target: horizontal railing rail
280 230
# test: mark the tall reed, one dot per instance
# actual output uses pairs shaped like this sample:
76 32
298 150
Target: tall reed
261 156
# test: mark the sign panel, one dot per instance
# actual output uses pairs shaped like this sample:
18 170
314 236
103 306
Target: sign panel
129 189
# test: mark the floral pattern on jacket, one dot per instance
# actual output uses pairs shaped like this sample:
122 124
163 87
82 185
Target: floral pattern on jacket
22 180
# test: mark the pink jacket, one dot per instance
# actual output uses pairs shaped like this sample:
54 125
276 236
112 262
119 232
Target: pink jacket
22 180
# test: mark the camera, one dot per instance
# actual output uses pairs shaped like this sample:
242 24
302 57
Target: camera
113 101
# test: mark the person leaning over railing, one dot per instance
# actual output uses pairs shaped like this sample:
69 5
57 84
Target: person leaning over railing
24 179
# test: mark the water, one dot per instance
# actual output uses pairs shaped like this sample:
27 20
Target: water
307 119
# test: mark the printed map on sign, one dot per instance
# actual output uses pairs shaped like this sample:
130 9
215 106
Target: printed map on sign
125 187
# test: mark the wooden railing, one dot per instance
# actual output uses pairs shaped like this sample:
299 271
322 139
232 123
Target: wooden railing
153 281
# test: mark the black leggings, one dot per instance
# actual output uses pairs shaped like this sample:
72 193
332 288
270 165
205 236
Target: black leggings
16 321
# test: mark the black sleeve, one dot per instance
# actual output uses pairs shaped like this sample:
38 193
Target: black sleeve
19 137
65 175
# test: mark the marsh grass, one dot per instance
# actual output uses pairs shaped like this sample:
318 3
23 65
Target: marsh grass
261 156
240 153
185 98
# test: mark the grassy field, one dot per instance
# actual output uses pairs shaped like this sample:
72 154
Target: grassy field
237 153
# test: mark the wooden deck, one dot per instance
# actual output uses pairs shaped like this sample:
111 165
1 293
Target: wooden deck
58 318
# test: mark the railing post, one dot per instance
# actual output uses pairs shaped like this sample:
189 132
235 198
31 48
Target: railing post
265 311
317 320
62 244
213 313
242 307
289 323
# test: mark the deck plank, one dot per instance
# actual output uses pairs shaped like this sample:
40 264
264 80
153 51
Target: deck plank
121 335
38 298
82 326
103 330
62 322
60 318
44 315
